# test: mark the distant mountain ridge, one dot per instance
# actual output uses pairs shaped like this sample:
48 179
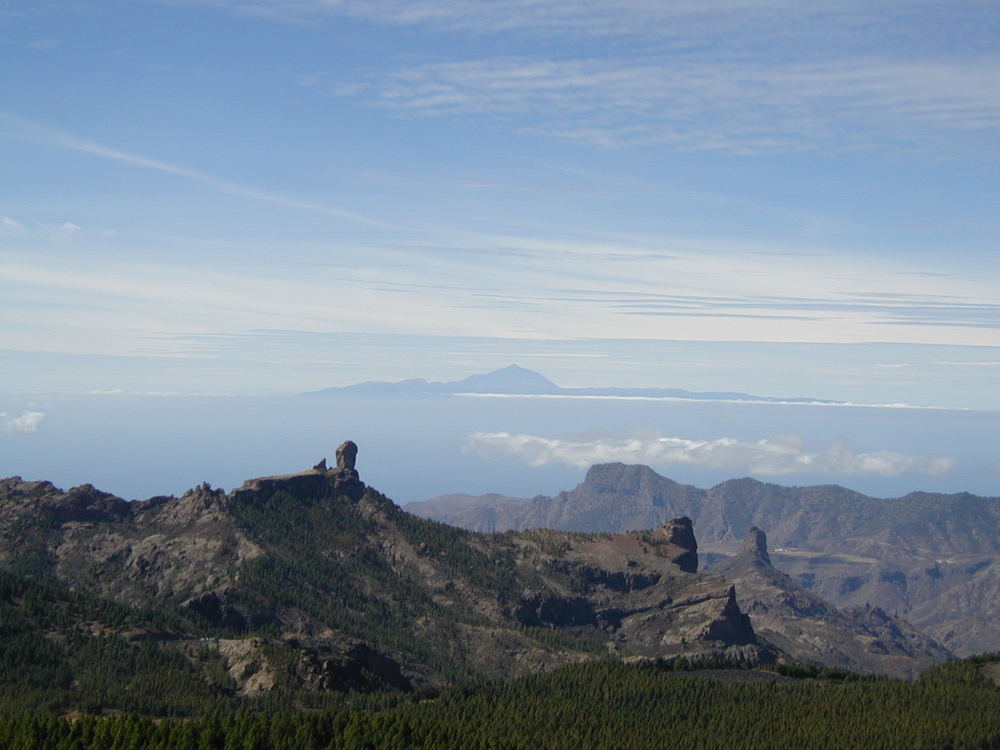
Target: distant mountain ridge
934 558
519 381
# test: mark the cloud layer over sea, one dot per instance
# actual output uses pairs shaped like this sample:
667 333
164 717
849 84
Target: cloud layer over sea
776 456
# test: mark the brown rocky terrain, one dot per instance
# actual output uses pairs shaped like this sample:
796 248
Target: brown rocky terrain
810 630
932 558
311 580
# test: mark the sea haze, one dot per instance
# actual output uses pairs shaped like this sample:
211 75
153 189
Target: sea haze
418 446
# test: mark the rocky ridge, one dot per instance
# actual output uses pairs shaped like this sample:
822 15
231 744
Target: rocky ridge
935 559
312 580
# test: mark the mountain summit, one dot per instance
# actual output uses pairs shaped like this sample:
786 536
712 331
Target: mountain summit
510 379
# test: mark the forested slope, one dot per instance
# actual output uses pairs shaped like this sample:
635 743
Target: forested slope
593 706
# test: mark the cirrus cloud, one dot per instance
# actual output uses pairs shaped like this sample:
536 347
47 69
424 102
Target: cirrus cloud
739 107
769 456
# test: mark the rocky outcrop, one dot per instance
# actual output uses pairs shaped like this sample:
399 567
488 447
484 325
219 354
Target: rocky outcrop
344 664
731 626
551 610
587 577
83 504
341 481
299 662
216 609
675 539
755 545
222 608
347 455
639 590
702 617
811 630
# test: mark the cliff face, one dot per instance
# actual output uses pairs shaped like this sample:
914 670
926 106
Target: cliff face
336 579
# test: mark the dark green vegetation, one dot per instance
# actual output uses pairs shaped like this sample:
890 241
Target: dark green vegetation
590 707
300 572
63 651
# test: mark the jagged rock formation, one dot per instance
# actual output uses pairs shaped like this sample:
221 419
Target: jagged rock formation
641 589
812 631
933 558
755 545
347 455
680 534
334 581
332 663
343 479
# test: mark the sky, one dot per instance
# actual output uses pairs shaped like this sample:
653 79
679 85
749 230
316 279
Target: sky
263 197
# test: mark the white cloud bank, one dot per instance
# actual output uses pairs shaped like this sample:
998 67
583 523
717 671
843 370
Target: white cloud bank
26 421
769 456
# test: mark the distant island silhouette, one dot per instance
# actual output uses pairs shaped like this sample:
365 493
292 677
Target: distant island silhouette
514 380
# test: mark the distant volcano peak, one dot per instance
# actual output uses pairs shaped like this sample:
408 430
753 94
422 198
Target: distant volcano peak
512 378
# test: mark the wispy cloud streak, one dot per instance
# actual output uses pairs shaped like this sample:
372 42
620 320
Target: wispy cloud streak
56 139
698 105
582 19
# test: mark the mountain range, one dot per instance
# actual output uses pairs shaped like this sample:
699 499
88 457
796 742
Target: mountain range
518 381
932 558
312 581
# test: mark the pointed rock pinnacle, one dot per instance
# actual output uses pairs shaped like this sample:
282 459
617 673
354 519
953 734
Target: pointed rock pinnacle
347 454
756 544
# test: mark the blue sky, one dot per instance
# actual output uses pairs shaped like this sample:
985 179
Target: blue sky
270 196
